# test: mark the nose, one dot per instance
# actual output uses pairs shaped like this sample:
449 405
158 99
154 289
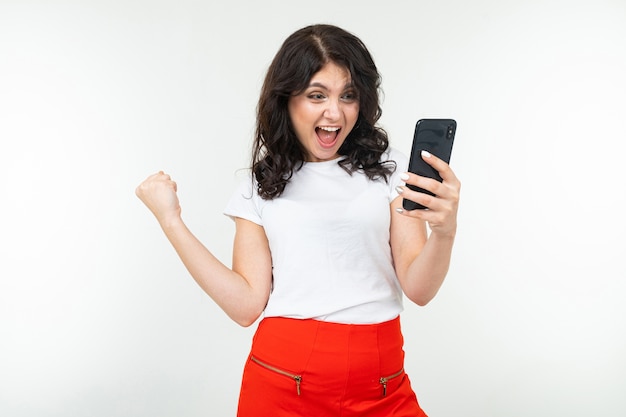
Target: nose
333 109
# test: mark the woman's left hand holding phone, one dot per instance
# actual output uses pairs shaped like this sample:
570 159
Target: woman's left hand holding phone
443 207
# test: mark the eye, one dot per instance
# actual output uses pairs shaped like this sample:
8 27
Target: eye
316 96
350 96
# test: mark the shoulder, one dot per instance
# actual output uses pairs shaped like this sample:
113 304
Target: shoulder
393 154
245 201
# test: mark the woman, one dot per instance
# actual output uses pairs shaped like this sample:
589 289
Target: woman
322 246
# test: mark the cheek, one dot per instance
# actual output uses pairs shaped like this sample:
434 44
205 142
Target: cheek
300 113
354 114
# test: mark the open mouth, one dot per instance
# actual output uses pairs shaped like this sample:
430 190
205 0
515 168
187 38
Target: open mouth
327 135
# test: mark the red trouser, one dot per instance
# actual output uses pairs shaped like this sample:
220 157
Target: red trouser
301 368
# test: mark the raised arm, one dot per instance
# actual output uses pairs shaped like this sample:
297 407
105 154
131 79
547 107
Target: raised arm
242 292
422 261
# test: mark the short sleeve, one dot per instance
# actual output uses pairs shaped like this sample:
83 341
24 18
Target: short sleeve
245 203
402 166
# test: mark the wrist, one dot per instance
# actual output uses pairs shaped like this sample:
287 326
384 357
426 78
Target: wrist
443 235
170 222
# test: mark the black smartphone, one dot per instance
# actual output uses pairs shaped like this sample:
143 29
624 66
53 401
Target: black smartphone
435 136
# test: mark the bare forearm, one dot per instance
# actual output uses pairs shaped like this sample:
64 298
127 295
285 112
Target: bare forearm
230 290
425 275
422 263
242 291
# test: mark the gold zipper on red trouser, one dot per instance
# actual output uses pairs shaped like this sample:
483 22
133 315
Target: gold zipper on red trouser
383 381
297 378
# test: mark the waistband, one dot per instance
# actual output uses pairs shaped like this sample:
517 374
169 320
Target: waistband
299 344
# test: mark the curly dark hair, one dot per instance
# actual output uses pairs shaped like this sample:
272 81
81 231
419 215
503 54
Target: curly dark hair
277 153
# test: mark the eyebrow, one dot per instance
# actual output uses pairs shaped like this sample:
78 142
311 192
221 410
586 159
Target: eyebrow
320 85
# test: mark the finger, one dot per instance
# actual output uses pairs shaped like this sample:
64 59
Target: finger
440 165
418 197
441 215
425 183
152 180
446 195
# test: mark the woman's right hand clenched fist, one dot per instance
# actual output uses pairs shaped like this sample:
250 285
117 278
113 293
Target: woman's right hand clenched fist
158 193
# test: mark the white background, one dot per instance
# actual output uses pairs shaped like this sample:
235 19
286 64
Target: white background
98 316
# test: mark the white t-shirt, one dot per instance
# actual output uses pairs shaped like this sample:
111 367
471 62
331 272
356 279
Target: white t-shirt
329 239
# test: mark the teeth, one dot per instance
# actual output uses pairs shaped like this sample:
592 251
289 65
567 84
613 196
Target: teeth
329 129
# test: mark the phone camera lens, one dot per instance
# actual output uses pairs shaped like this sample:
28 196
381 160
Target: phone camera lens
450 132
